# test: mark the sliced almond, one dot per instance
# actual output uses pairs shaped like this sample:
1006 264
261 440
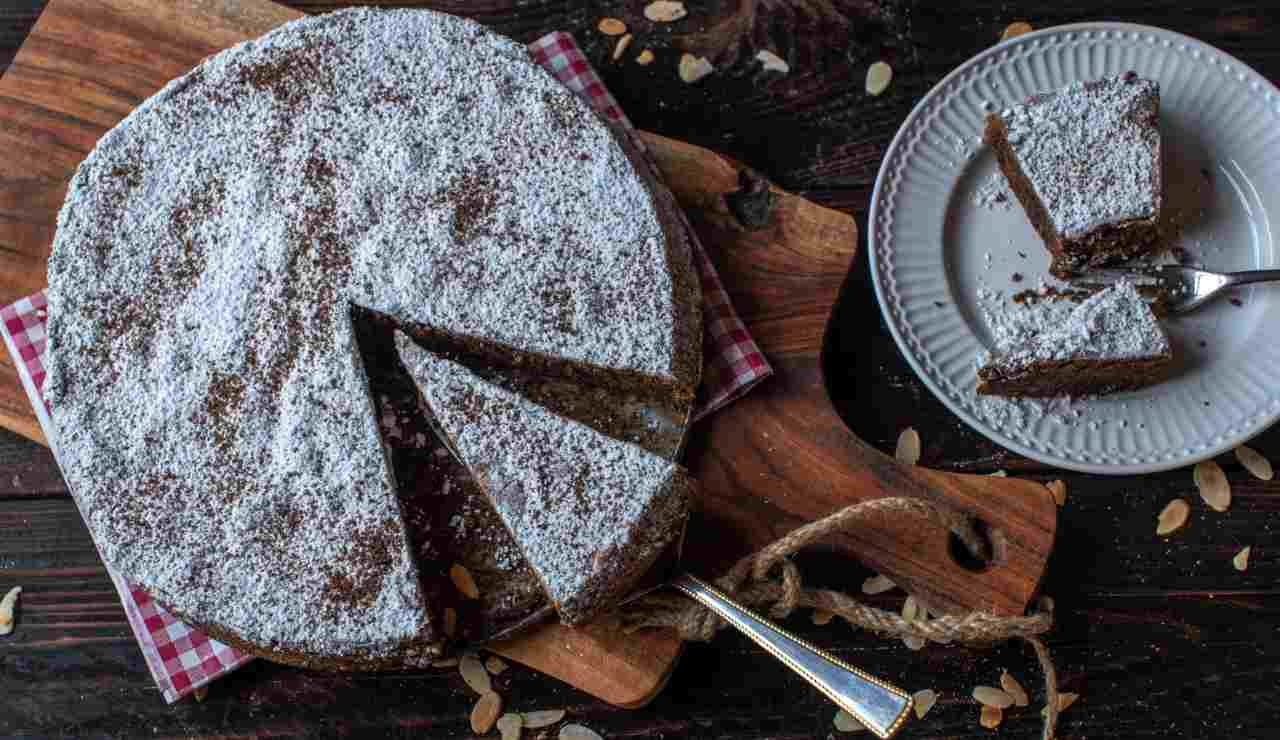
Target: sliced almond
990 717
907 451
495 665
822 617
1014 689
645 58
510 725
463 581
1255 463
992 697
475 675
1059 491
909 609
542 718
878 78
621 47
1065 699
8 606
877 585
1241 560
845 722
694 68
665 11
485 713
578 732
611 27
450 621
1172 517
913 642
1213 485
1002 473
445 663
772 62
200 694
1014 30
924 701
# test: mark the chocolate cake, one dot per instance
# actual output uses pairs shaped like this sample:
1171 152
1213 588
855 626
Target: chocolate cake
1084 162
1107 342
210 410
590 513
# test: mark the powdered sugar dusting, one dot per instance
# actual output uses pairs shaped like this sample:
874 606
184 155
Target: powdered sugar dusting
209 405
1091 151
586 509
1113 324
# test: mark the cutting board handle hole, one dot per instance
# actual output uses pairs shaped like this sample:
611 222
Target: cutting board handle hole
977 562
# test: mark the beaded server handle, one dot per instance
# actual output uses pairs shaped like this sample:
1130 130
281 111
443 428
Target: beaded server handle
882 708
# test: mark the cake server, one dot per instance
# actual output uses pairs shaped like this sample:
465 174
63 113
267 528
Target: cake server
1175 289
881 707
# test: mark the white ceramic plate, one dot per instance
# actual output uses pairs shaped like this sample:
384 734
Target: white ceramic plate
929 241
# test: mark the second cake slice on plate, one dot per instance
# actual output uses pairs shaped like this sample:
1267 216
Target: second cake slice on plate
591 513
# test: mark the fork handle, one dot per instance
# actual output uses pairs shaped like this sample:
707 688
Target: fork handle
882 708
1246 277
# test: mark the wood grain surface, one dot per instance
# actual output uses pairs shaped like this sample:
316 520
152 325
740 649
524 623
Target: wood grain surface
1162 638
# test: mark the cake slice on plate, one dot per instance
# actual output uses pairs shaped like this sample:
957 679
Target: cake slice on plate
1110 341
591 513
1084 162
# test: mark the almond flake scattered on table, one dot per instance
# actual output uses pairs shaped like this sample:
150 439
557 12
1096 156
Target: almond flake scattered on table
8 607
510 725
1016 29
1014 689
1059 490
611 27
990 717
878 77
1213 485
542 718
772 62
990 696
1254 462
694 68
1241 560
924 701
475 675
1172 517
645 58
907 450
463 581
621 48
877 584
1065 699
665 11
485 713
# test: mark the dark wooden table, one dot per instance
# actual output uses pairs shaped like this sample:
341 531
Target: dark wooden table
1161 638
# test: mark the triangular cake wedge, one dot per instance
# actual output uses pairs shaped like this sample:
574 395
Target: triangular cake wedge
1109 342
591 513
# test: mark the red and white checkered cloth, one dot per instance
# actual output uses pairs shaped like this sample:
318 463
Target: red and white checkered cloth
182 659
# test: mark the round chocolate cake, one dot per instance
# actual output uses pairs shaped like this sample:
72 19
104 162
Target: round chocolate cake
209 406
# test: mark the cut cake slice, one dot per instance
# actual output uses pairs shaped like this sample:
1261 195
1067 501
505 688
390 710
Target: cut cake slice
1084 162
1109 342
591 513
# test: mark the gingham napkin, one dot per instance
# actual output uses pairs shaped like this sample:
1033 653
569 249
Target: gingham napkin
182 659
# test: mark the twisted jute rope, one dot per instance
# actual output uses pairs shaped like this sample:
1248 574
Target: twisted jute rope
768 580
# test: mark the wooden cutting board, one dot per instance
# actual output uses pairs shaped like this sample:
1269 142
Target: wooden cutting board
772 461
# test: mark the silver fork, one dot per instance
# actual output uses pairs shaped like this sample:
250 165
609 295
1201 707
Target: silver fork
1179 289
